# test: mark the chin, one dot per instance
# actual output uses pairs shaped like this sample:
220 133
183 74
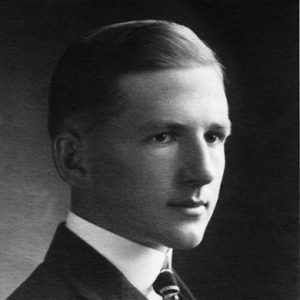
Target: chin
188 242
185 239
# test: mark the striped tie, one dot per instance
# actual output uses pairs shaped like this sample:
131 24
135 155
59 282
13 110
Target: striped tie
166 285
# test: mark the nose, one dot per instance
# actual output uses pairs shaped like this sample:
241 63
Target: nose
198 164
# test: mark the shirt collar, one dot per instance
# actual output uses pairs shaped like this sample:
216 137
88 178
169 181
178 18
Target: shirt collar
140 264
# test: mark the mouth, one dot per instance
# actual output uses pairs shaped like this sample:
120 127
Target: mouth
188 204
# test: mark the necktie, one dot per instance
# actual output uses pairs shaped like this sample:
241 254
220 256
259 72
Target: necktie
166 285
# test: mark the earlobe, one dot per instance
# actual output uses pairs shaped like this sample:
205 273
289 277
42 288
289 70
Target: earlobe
69 158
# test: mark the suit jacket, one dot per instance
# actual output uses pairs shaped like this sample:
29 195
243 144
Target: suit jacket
72 270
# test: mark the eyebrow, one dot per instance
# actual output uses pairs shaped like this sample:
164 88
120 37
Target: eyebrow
159 124
226 126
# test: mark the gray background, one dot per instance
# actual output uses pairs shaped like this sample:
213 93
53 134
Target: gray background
251 248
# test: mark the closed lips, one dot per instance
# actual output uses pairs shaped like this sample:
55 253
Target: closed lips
188 204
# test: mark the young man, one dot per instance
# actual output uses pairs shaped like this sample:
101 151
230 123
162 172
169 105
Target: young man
139 118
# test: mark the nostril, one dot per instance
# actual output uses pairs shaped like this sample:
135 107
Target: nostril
193 183
197 182
207 178
196 177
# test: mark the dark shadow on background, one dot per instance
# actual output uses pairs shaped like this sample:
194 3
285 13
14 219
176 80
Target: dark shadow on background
250 250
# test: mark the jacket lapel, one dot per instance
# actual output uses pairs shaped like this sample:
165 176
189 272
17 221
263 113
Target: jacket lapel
185 293
91 275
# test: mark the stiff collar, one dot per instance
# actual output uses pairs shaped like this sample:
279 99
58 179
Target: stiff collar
139 264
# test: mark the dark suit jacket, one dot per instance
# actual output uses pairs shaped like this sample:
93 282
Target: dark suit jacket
74 270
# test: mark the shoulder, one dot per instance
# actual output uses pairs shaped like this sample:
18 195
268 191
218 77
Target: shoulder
72 270
48 281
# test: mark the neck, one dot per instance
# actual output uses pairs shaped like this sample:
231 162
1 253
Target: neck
101 221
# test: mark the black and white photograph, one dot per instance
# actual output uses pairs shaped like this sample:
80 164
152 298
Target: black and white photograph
149 150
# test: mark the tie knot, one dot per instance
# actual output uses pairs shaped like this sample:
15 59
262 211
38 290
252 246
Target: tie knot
166 285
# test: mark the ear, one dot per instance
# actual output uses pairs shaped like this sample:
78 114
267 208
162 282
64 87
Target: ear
69 158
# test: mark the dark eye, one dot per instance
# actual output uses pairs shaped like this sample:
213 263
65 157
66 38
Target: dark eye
163 138
213 137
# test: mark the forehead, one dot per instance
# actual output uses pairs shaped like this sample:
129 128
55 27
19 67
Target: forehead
197 91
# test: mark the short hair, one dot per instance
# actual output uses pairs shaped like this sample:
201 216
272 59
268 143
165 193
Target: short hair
83 88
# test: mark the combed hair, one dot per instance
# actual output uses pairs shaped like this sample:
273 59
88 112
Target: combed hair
83 88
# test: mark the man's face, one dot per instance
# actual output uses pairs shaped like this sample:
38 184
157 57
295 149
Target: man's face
156 168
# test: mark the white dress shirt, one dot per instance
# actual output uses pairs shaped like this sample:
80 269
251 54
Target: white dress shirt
139 264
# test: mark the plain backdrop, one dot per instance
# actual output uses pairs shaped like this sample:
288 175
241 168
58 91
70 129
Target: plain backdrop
250 250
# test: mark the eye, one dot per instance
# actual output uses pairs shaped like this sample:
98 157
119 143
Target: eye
214 137
163 138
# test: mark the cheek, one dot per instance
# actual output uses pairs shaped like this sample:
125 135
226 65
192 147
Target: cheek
219 159
110 171
120 171
219 176
219 167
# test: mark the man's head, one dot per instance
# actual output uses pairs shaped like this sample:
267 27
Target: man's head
139 118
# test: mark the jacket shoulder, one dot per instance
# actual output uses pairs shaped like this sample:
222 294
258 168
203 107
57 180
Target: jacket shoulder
48 281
